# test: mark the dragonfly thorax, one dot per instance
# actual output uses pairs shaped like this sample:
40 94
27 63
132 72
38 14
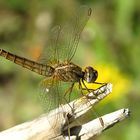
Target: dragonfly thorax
90 74
68 72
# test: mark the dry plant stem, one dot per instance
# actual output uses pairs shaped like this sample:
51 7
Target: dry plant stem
94 128
42 128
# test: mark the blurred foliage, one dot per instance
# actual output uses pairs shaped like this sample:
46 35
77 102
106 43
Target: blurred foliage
110 43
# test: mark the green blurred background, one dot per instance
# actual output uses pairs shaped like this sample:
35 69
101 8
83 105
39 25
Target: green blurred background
110 43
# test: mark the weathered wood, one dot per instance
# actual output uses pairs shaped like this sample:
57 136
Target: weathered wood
62 120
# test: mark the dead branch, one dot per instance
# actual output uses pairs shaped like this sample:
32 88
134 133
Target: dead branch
60 124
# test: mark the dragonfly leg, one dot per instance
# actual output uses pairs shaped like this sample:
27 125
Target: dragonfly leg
68 91
95 112
100 83
87 89
91 90
81 89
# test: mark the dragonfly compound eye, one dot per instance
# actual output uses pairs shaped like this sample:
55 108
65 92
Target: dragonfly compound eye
90 75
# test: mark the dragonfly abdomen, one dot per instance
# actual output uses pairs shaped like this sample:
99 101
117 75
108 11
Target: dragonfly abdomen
39 68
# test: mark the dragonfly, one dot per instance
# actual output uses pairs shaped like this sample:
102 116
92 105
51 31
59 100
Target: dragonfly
55 62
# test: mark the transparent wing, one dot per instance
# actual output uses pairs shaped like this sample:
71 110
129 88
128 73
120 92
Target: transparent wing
53 93
49 94
49 54
52 96
63 40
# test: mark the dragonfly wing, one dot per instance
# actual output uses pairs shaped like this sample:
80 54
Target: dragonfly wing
49 94
54 93
71 33
63 40
49 54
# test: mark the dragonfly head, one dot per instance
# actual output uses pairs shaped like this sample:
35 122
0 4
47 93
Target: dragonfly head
90 74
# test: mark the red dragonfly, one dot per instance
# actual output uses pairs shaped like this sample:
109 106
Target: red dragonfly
56 64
